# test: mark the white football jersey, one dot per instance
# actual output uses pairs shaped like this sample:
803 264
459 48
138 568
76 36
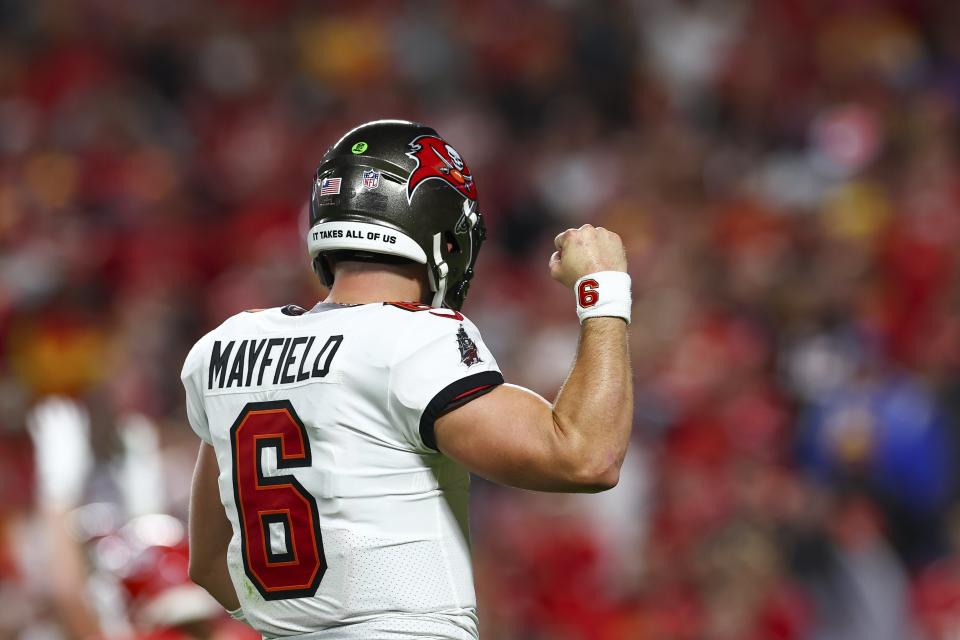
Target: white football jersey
347 522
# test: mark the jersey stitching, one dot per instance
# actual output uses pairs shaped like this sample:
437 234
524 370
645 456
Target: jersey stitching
333 378
438 523
391 399
391 363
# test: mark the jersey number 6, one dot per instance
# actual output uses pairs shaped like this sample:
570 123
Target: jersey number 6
279 519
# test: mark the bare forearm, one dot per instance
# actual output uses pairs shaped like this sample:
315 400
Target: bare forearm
593 412
210 532
215 578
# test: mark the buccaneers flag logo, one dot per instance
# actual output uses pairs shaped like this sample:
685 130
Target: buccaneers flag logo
436 160
469 354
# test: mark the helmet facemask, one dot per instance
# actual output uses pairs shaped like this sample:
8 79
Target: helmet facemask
451 264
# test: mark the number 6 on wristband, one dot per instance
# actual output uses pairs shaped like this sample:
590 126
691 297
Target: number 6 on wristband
604 294
587 295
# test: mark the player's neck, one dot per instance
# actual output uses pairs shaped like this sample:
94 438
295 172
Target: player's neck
360 283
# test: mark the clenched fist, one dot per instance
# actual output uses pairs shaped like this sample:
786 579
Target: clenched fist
586 250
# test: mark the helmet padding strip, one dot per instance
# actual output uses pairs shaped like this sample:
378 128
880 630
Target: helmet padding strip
364 236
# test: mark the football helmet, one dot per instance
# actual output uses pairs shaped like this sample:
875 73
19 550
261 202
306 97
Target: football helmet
395 191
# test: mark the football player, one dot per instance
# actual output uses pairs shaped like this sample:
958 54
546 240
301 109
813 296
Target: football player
330 492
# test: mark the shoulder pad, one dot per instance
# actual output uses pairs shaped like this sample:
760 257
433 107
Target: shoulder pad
440 312
292 310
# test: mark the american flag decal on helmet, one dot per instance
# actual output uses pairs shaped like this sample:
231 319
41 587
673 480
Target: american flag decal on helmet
330 186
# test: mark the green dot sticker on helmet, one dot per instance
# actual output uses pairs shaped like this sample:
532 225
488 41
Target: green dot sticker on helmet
359 148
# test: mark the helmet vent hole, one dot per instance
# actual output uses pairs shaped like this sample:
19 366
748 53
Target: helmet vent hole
453 247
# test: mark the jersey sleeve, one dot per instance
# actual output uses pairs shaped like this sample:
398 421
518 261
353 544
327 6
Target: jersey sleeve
441 365
192 378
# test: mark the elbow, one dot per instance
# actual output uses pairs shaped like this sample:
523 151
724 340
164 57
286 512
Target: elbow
596 480
196 575
591 474
587 467
198 572
608 480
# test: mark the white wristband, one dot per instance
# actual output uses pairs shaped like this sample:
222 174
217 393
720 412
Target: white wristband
237 614
603 294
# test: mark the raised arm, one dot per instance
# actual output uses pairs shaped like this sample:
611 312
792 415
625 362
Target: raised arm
515 437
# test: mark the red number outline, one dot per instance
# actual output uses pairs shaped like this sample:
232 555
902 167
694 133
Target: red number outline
587 293
298 572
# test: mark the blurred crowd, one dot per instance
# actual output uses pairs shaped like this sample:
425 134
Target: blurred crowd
785 174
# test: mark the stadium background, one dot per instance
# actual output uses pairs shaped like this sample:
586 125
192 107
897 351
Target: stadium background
784 174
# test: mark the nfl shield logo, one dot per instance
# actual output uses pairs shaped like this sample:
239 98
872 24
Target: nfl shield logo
371 179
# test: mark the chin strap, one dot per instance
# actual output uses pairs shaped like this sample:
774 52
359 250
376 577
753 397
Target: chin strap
438 275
